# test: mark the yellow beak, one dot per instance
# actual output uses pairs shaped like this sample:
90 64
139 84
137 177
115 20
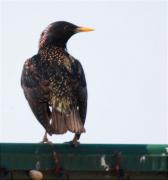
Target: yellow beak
84 29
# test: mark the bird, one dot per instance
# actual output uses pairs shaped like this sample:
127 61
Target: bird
54 83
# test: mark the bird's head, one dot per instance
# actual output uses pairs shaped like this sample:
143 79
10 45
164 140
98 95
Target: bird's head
58 33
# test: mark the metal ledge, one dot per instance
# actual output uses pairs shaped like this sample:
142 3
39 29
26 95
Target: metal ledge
107 160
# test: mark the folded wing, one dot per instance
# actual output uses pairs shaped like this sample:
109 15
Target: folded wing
37 93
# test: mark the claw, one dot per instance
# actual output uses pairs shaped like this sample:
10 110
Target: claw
75 144
45 140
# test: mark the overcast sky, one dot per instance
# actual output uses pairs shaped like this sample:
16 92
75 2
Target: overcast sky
124 61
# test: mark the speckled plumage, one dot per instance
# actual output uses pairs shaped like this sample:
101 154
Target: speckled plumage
54 85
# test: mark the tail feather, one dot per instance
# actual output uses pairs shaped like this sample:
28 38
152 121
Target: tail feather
58 122
74 123
61 122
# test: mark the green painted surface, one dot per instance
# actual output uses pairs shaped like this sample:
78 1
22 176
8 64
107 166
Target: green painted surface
87 157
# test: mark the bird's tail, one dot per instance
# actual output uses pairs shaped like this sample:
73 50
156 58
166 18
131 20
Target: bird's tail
61 122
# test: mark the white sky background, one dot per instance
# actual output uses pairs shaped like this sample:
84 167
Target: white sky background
124 61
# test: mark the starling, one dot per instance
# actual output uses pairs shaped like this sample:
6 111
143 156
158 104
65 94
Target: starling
54 83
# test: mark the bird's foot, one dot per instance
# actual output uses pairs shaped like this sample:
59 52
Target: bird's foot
74 143
45 140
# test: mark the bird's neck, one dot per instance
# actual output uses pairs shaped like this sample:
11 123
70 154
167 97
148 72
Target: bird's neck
52 52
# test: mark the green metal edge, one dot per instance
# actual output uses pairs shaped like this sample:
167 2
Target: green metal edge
87 157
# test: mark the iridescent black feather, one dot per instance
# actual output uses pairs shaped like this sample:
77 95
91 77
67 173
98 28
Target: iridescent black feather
54 83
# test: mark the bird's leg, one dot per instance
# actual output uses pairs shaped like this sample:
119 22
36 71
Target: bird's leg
45 139
75 142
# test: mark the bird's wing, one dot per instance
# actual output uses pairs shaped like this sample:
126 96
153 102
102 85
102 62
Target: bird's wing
36 92
82 93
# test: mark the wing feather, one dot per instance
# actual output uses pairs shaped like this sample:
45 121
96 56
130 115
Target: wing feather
37 94
82 93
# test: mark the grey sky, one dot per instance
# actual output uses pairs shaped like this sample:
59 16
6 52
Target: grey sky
124 61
